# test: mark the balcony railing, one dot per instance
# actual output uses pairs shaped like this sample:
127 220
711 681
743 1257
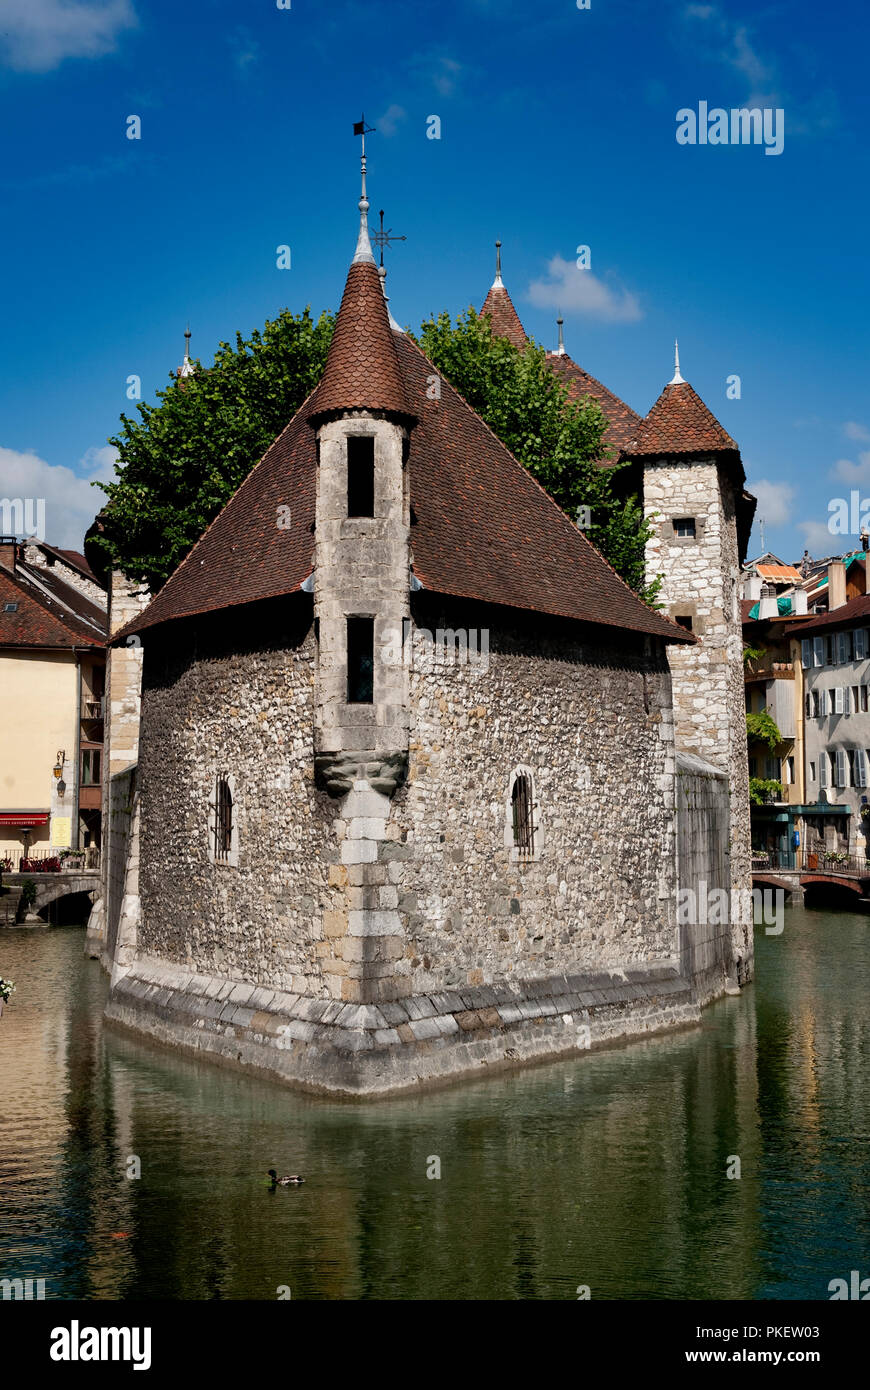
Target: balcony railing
93 709
812 861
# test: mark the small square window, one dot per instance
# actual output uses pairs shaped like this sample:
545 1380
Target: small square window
683 620
684 527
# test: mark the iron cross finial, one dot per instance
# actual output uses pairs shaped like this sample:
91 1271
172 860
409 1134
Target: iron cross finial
384 238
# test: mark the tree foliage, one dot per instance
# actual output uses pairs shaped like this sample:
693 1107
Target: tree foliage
559 440
182 459
762 728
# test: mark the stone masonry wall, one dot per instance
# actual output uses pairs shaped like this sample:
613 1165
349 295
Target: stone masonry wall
701 582
234 693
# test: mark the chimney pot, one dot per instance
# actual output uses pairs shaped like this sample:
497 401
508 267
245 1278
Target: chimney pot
836 584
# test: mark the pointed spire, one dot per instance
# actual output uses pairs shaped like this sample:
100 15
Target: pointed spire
363 245
187 368
676 379
560 350
362 369
505 319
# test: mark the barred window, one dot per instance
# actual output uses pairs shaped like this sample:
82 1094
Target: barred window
223 821
523 818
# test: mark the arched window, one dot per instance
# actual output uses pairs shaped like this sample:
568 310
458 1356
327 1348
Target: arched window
522 829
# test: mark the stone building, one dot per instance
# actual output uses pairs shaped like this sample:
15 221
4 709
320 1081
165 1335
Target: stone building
687 471
407 773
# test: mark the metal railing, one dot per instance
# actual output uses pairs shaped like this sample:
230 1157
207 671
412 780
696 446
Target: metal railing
93 709
50 861
812 861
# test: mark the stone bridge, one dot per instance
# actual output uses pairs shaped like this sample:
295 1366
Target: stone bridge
50 887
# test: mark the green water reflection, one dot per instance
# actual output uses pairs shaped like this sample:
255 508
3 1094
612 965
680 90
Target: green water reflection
608 1171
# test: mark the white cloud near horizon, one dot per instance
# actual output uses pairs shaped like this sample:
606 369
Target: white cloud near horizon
70 502
774 502
581 292
38 35
849 472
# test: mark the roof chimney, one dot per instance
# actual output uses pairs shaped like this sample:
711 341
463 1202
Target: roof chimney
752 587
836 584
768 606
8 547
799 602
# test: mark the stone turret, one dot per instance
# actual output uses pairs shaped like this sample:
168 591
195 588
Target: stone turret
361 575
692 486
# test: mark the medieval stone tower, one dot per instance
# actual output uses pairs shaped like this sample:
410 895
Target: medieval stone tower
693 494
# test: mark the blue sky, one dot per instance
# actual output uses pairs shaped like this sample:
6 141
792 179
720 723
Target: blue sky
557 130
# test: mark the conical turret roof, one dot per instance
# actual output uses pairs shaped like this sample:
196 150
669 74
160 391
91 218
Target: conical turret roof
680 423
362 366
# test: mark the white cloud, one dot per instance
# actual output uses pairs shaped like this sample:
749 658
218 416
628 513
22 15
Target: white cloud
818 539
774 501
70 502
389 122
37 35
581 292
849 472
852 430
438 68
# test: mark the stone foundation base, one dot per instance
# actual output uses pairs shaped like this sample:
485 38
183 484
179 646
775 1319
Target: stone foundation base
366 1049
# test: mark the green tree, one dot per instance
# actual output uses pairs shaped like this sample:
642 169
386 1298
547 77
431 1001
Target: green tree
559 440
183 459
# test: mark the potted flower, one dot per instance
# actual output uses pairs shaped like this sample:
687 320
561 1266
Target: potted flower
6 988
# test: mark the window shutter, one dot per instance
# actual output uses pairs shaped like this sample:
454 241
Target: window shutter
841 767
823 769
841 647
860 768
818 651
859 637
806 653
838 699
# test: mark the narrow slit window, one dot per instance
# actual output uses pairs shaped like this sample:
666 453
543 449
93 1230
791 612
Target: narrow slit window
223 821
361 475
523 821
360 661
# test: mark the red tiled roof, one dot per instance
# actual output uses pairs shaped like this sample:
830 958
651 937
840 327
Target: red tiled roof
362 370
680 423
622 421
505 319
38 620
484 529
844 616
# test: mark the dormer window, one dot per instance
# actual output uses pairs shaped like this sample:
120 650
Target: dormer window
361 475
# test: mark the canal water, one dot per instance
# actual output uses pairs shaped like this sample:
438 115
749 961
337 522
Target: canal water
609 1171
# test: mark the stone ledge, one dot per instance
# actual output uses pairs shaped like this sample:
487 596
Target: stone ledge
366 1049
